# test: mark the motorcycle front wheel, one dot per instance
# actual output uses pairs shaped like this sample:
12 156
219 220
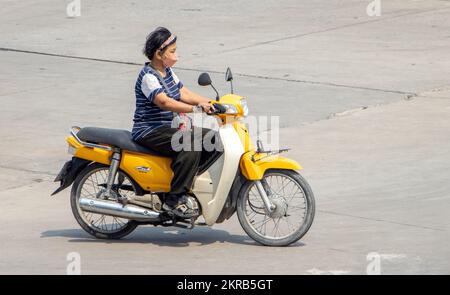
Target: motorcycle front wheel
292 217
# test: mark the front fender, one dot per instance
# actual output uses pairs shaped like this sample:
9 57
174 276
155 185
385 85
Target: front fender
253 165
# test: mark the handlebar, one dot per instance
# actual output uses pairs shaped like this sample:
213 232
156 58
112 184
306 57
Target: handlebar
219 109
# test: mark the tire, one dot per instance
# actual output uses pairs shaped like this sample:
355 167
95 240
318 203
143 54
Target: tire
250 227
81 216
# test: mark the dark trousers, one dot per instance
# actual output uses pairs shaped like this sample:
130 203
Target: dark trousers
185 162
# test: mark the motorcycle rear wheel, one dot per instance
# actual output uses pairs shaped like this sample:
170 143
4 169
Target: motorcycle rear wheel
88 183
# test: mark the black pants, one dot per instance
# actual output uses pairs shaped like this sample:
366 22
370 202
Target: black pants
191 150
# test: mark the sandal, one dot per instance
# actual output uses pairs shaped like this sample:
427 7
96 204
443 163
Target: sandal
181 210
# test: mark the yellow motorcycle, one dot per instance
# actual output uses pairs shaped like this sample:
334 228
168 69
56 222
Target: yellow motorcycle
118 184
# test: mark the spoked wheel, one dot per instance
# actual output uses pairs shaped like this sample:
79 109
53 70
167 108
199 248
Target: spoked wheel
90 183
293 214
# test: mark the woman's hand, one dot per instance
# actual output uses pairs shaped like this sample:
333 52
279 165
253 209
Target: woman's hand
207 107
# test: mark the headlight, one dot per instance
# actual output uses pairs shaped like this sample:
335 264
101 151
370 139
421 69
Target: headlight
231 109
244 107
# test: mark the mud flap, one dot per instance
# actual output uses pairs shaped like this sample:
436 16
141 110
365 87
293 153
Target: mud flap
69 172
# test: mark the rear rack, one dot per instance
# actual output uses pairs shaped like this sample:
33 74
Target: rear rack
87 144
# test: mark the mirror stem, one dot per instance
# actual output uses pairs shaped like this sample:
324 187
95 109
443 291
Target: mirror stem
217 97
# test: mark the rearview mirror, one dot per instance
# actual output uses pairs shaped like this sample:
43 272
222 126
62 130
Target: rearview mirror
229 78
228 75
204 79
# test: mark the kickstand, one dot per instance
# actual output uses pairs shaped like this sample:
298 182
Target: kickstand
193 219
184 224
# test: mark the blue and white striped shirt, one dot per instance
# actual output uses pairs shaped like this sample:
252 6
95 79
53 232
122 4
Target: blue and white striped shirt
148 116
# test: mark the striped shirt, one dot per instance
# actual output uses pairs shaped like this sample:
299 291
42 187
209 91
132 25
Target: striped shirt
148 116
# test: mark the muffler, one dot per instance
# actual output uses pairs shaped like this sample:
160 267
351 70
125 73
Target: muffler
118 210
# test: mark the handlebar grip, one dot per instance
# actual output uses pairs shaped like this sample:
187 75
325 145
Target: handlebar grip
220 109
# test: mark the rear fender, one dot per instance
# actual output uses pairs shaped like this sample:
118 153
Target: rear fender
69 172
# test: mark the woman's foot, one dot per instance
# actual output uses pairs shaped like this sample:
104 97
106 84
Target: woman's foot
178 206
180 210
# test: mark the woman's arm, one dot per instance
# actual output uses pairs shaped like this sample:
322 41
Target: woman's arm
192 98
168 104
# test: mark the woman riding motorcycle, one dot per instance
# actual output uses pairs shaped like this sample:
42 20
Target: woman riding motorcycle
161 103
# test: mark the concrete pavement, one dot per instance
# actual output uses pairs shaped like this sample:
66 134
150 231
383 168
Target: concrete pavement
364 102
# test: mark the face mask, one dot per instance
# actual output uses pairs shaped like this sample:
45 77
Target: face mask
168 63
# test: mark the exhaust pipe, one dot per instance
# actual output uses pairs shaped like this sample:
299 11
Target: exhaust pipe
118 210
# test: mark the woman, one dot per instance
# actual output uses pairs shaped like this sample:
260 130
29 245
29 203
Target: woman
161 100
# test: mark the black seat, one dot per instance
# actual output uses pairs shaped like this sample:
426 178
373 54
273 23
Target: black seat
115 137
